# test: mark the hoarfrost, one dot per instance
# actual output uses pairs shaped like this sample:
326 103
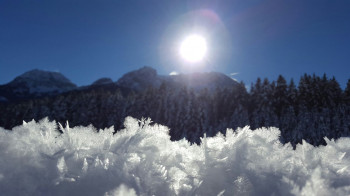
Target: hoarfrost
37 159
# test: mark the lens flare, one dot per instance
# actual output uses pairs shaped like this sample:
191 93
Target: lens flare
193 48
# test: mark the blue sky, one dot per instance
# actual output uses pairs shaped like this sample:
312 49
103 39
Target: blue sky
86 40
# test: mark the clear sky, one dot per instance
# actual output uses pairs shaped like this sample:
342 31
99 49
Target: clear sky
86 40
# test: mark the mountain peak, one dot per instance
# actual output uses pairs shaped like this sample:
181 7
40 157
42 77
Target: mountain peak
36 83
140 79
146 70
209 80
41 75
102 81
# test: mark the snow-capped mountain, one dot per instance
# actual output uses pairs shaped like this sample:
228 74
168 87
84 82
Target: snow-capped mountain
148 77
36 83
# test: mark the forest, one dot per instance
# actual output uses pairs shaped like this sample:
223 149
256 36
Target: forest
315 108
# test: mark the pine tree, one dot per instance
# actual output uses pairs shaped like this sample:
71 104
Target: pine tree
286 102
263 113
255 97
204 111
346 98
292 95
346 102
335 108
239 116
183 103
305 94
280 96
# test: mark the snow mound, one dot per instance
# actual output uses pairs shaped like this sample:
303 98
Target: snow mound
37 159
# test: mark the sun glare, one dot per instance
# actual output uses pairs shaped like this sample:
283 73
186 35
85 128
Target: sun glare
193 48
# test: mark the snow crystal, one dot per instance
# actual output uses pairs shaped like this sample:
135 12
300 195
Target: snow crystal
44 158
122 190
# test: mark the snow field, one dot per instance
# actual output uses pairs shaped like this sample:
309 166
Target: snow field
36 159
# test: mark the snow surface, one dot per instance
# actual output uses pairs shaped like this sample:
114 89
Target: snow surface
36 159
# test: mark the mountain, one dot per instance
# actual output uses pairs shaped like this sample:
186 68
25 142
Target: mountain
35 83
39 83
102 81
147 77
141 79
208 80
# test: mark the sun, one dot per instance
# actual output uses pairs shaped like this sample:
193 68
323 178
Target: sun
193 48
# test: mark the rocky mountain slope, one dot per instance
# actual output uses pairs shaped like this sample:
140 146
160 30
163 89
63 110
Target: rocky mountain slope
35 83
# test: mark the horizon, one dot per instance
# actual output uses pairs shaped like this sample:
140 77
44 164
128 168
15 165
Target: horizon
247 86
88 40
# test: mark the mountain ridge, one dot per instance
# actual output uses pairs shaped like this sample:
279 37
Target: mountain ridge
148 77
38 83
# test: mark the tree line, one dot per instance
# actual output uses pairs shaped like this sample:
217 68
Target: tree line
315 108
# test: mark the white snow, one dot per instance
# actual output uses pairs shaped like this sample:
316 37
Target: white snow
36 159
